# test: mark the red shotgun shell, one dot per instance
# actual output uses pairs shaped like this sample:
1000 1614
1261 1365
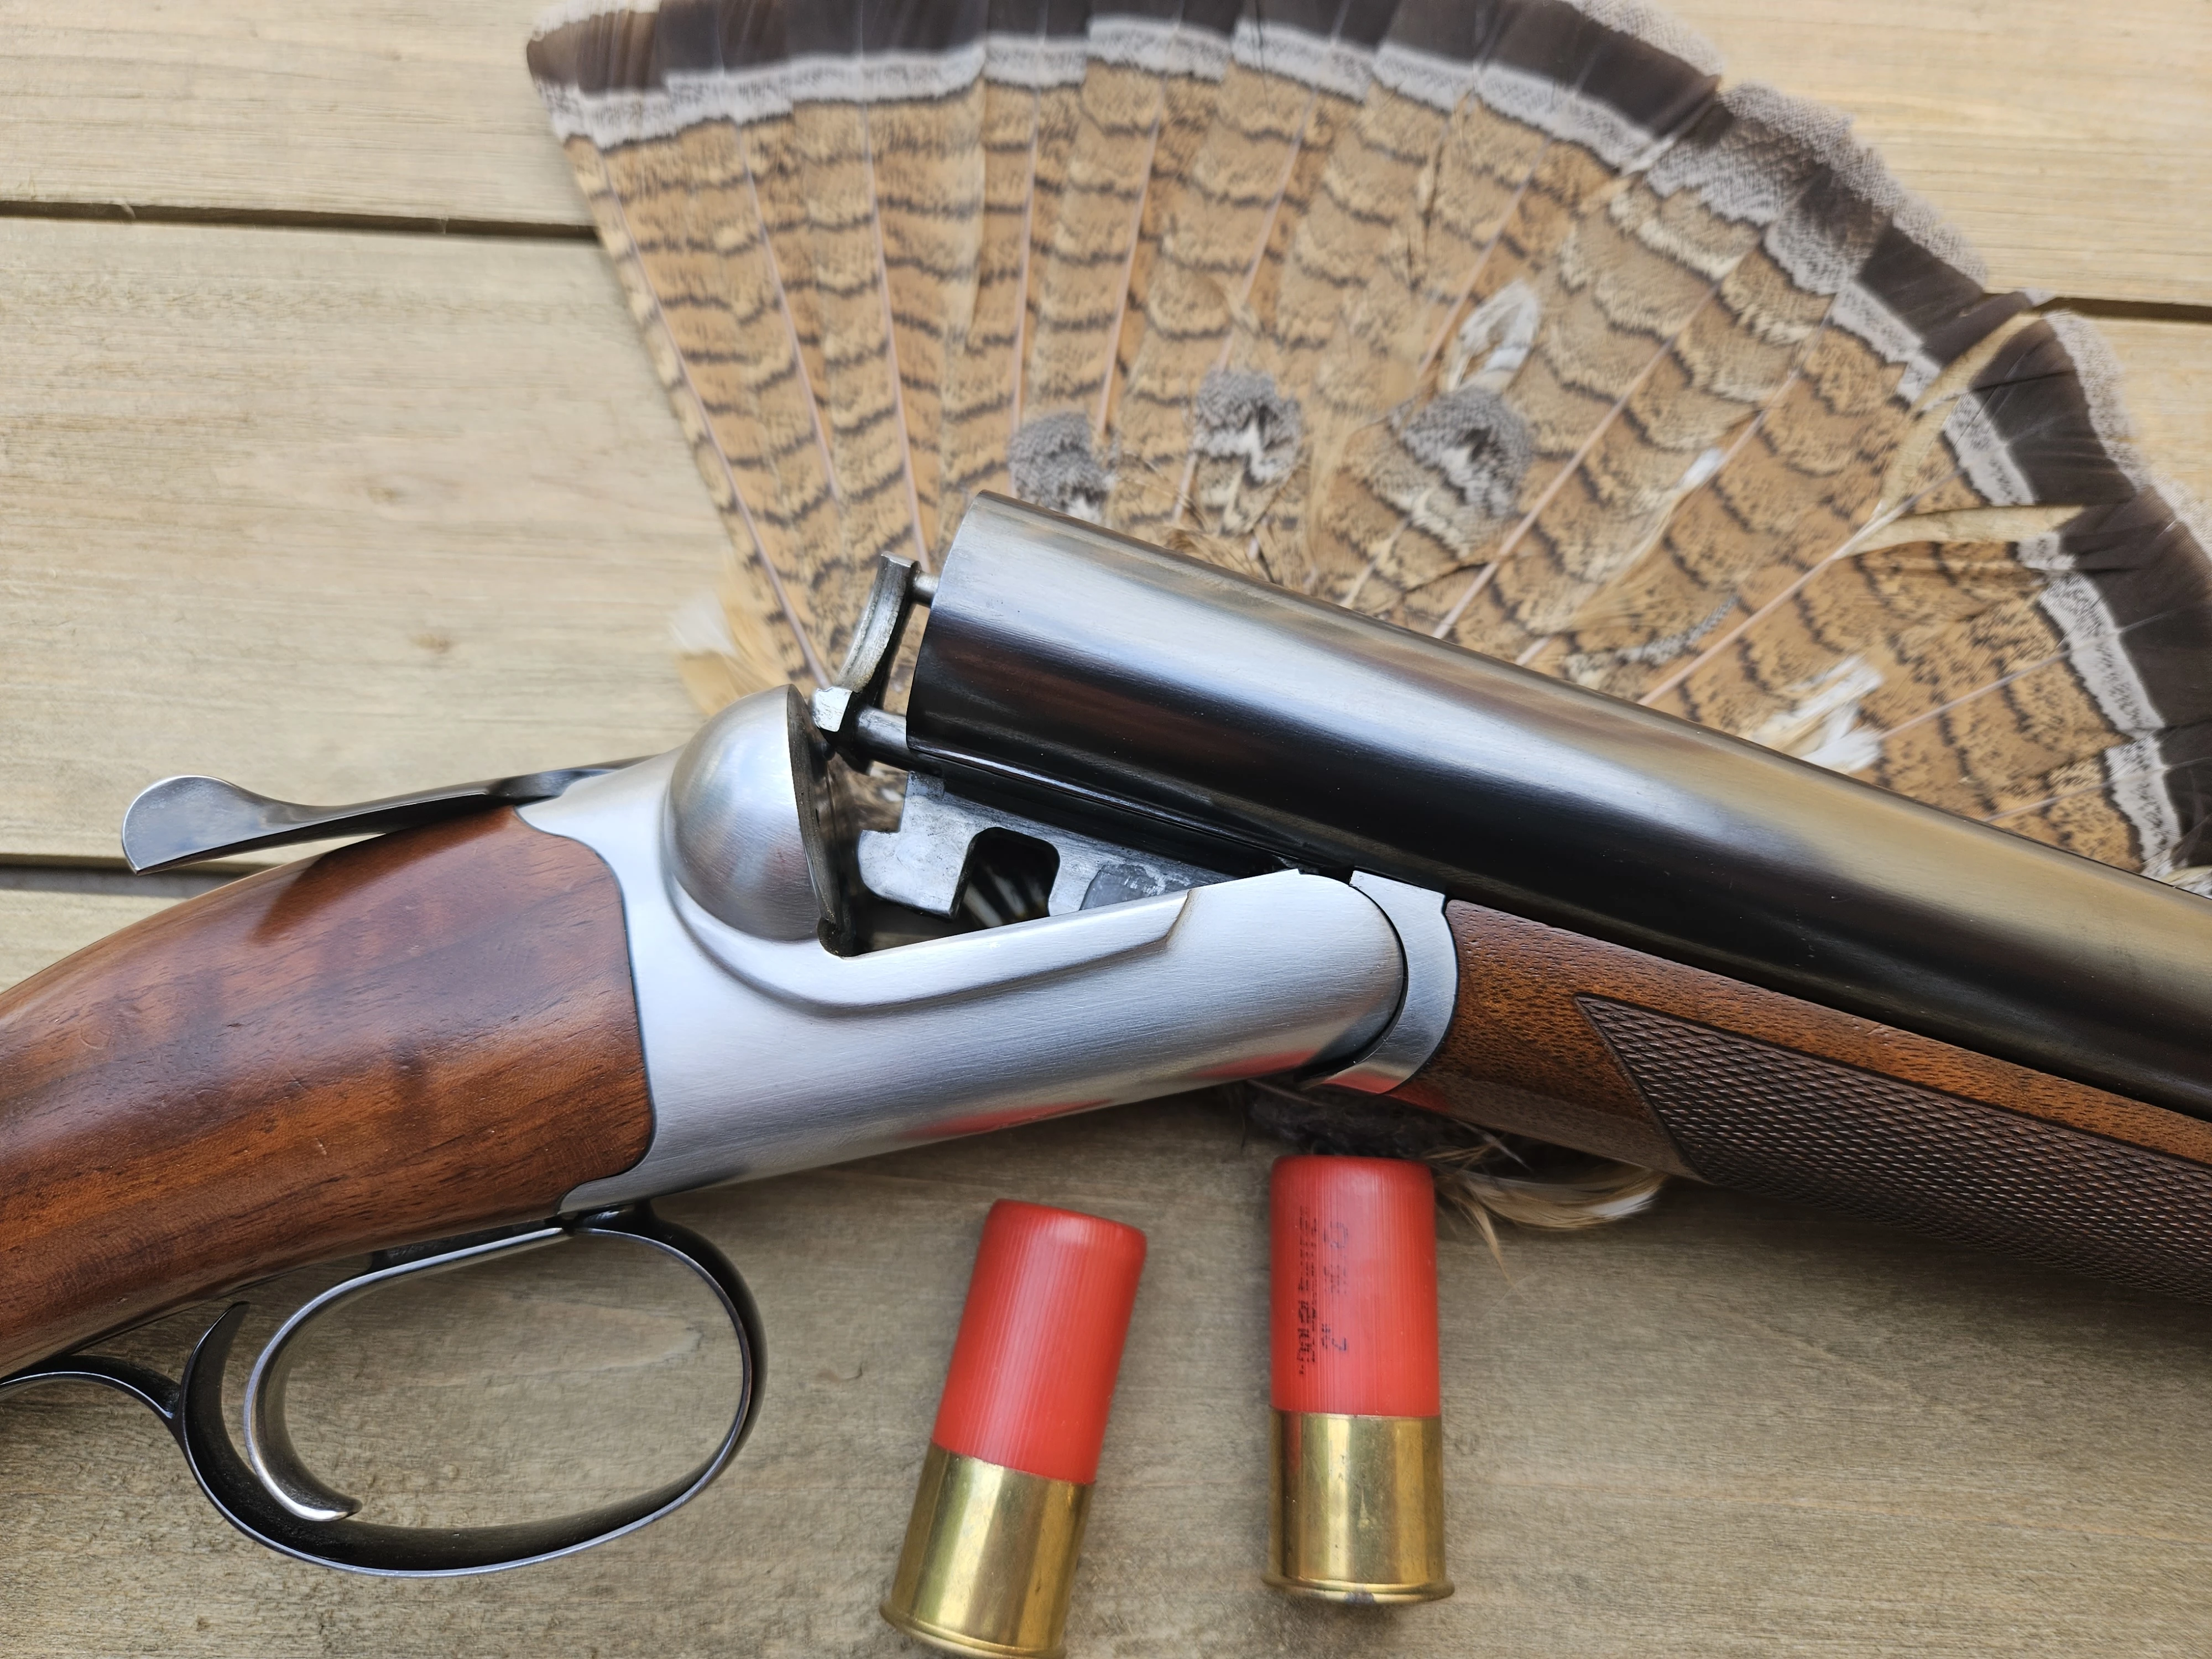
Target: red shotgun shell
1357 1506
1355 1287
998 1519
1040 1342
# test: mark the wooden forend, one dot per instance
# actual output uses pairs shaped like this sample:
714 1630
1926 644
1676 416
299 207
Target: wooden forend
409 1038
1603 1048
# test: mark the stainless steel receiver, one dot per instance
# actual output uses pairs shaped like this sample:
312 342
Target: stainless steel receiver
766 1051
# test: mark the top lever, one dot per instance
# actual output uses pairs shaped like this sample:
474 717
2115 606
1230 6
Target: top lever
187 819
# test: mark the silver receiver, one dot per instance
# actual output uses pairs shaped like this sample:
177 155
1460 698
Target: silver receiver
766 1051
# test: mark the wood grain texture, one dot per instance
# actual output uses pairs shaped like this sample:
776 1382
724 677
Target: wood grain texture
393 107
37 928
1729 1428
1733 1428
414 1037
333 516
2169 384
2066 144
1596 1046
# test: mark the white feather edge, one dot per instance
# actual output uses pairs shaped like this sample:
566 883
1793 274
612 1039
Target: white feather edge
639 115
2134 772
1534 99
1168 48
743 97
1157 46
2103 385
560 16
1825 133
1342 67
2134 769
1036 62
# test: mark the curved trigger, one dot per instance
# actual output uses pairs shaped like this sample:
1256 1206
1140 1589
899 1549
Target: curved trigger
270 1496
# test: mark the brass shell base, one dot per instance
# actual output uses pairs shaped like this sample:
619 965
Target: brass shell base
989 1559
951 1641
1356 1509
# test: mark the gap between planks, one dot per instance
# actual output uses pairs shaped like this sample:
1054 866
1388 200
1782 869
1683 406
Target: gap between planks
387 224
2067 142
384 224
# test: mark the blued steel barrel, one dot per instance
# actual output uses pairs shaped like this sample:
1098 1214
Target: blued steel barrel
1063 663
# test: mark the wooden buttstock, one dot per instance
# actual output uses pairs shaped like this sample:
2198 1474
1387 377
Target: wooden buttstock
409 1038
1606 1048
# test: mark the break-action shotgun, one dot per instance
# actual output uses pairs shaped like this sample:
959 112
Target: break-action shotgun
1162 827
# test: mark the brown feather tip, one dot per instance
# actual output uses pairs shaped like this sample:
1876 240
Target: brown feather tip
1479 1175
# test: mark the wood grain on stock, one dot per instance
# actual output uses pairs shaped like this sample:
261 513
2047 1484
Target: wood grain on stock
409 1038
1604 1047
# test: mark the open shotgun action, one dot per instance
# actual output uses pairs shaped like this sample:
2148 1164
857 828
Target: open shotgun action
1162 827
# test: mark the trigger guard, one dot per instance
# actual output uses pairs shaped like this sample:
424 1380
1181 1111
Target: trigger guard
191 1409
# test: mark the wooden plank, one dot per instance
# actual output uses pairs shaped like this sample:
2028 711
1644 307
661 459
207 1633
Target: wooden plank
2168 367
1732 1427
292 107
332 515
2069 144
37 928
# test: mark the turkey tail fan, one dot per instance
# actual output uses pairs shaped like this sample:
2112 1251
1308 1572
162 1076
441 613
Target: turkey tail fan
2018 632
1424 456
685 205
1502 320
1150 81
1033 60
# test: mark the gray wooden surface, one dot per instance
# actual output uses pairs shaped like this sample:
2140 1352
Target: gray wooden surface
294 486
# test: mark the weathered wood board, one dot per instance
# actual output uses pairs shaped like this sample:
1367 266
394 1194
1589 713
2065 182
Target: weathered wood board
332 515
385 108
37 928
2067 140
2169 388
1730 1428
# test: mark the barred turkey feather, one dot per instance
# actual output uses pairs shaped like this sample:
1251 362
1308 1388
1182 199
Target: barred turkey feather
1032 78
1150 80
1505 321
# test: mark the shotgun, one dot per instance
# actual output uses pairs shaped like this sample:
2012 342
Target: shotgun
1162 827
